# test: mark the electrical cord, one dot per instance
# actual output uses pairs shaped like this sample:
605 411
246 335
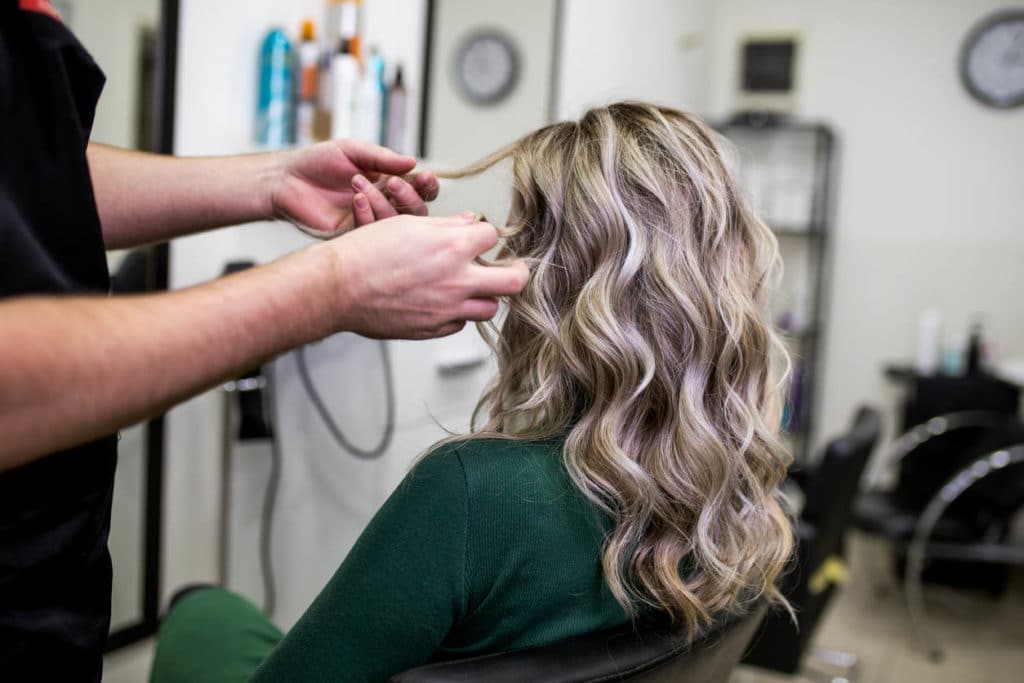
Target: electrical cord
270 497
274 478
332 426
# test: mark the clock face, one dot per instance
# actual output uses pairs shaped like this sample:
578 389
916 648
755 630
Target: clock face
992 62
486 67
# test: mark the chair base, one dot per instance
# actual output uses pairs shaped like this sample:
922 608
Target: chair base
830 666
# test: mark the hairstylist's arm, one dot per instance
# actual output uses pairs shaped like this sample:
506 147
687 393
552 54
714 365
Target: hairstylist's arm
73 369
144 198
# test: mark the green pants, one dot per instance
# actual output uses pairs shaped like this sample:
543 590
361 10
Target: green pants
212 635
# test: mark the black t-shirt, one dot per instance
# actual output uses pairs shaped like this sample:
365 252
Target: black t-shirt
55 574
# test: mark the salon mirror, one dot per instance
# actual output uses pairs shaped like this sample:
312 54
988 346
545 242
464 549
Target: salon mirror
131 40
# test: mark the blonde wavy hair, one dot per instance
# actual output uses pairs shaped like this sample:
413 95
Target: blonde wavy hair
643 336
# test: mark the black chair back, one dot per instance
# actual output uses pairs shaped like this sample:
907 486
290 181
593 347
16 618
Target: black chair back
779 644
995 498
925 469
648 654
830 491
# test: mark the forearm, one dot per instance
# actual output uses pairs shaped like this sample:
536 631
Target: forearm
74 369
146 198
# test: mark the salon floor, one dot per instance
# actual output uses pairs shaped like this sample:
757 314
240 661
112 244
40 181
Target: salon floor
983 638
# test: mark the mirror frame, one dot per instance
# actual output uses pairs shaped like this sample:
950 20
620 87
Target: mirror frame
163 143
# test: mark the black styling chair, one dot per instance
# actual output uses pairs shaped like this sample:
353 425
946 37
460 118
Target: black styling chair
829 491
991 490
647 654
921 462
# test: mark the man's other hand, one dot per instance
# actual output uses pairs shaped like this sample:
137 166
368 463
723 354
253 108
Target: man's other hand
313 187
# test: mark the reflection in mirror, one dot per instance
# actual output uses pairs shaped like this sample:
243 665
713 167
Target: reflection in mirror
127 530
121 37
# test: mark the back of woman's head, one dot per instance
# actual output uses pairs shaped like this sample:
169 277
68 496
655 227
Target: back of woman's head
642 335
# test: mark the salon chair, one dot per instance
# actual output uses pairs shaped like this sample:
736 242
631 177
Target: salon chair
991 488
642 654
809 583
969 467
922 461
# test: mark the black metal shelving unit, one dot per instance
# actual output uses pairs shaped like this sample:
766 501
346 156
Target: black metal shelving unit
787 170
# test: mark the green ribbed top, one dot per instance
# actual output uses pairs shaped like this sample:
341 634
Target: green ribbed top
485 546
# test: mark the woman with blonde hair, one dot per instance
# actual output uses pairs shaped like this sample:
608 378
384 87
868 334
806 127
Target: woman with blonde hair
628 456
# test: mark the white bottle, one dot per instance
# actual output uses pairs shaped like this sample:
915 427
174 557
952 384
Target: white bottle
309 73
370 103
344 85
929 338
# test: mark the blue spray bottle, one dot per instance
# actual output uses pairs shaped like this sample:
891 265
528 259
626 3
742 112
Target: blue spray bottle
275 114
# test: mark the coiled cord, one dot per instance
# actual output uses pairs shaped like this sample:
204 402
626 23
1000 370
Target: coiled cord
321 407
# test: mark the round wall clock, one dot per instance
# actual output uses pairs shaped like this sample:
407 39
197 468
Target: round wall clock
486 67
992 60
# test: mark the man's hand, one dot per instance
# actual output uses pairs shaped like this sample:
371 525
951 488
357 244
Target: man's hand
328 188
416 278
404 277
148 198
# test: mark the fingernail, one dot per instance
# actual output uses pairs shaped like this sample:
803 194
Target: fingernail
360 201
466 215
394 183
359 182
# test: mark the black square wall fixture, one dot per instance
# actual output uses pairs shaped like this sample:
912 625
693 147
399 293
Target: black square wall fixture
768 65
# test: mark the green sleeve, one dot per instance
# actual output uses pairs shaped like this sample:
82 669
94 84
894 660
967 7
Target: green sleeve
397 594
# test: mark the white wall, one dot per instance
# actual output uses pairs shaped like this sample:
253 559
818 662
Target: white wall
643 49
461 131
930 205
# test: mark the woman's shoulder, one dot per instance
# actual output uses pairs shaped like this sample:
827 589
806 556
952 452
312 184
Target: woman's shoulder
495 447
503 465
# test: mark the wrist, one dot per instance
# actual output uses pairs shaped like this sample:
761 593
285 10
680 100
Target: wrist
269 175
329 292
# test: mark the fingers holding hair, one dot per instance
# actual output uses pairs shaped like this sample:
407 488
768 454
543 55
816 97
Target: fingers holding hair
499 280
379 206
426 185
491 280
405 198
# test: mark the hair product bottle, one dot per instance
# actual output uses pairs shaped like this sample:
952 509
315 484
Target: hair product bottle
275 124
372 100
344 85
309 74
396 111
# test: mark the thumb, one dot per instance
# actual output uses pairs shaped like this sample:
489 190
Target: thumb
375 159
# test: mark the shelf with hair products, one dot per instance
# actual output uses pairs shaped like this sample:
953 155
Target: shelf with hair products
786 168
